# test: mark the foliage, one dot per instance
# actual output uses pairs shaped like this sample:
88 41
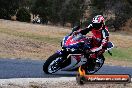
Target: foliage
55 9
23 15
8 8
59 11
121 9
122 14
70 11
75 10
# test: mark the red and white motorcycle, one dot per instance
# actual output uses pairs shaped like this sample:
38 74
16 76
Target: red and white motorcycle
73 55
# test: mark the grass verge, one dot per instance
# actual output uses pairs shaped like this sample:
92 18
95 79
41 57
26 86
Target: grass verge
33 36
124 54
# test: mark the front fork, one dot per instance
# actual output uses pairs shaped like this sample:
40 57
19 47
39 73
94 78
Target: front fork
62 53
64 60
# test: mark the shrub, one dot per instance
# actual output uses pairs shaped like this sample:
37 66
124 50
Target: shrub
23 15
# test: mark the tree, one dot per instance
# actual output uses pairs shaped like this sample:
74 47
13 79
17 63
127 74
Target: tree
97 8
55 8
23 15
119 11
74 11
123 13
8 8
41 7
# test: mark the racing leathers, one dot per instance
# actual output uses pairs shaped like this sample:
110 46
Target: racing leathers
100 38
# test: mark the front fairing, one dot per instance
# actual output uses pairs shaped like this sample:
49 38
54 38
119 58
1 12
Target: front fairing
71 41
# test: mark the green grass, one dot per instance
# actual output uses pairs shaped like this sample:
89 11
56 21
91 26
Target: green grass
124 54
33 36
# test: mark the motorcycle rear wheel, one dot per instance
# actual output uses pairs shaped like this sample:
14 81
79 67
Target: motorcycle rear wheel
98 65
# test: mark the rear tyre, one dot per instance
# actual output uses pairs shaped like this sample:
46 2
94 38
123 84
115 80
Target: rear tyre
98 64
52 64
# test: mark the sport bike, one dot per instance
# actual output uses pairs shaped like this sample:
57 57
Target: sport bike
73 55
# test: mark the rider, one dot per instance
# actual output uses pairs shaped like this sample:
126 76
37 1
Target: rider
100 36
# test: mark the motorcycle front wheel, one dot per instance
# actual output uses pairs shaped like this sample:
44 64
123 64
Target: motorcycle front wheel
52 64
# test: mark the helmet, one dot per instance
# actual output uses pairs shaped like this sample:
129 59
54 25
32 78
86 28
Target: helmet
98 21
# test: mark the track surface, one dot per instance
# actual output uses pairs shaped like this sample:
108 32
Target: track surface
14 68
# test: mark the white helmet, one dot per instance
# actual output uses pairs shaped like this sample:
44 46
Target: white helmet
98 21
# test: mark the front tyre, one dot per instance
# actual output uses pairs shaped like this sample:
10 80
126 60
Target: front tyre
52 64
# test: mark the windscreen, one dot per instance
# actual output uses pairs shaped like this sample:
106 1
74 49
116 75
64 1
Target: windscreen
77 37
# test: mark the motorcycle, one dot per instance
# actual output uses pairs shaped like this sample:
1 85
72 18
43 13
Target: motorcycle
73 55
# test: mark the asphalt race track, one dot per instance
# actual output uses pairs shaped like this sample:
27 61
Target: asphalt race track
15 68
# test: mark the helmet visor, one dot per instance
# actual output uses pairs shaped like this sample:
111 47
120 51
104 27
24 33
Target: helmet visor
97 25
